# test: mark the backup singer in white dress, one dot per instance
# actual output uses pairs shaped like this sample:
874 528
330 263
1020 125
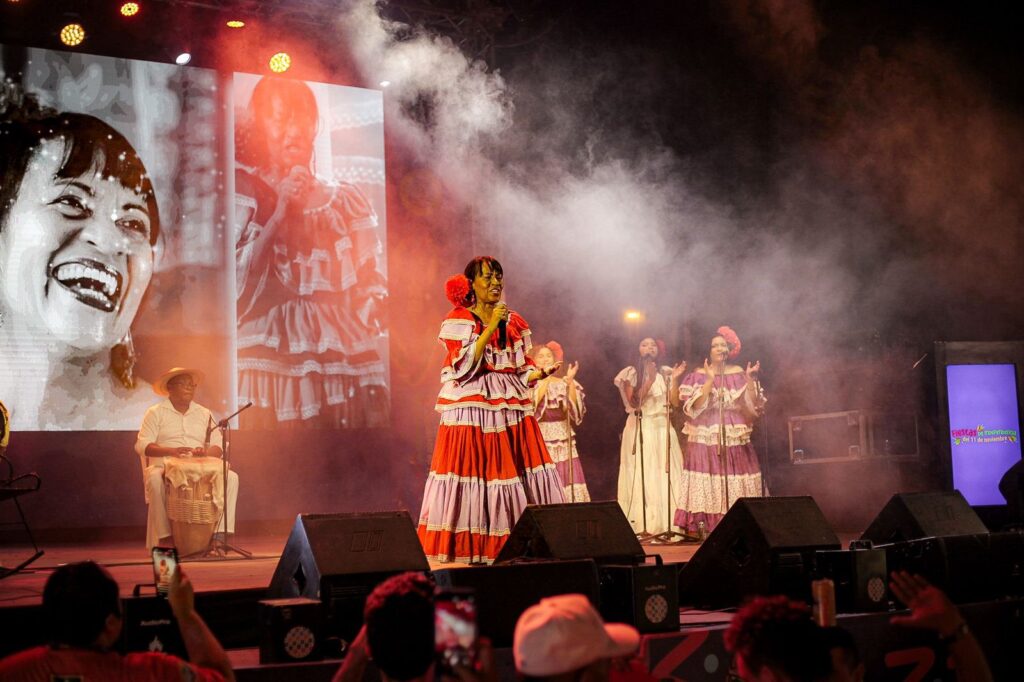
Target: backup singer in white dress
648 397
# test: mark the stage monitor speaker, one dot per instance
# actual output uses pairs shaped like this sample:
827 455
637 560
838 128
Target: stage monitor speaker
589 530
645 596
504 592
339 559
860 577
909 516
968 568
763 545
291 630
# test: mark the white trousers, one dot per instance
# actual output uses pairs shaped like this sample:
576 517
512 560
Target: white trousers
157 524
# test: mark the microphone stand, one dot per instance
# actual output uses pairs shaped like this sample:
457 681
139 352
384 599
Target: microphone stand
218 549
643 535
722 454
568 431
764 432
669 536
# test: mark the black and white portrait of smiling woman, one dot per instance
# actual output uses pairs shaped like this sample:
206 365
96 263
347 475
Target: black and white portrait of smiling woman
78 226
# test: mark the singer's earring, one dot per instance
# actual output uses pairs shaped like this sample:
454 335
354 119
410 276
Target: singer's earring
122 361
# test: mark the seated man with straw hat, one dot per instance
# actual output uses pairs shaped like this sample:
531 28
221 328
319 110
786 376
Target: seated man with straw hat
177 427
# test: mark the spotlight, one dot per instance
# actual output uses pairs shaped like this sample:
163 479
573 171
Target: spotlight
130 9
385 84
72 34
633 316
236 23
280 62
183 59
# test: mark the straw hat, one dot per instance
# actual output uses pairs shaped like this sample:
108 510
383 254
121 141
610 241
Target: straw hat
160 385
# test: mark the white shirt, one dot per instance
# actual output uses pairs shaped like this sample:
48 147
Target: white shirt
167 427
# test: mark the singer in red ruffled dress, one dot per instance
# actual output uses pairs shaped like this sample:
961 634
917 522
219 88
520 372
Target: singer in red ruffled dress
489 459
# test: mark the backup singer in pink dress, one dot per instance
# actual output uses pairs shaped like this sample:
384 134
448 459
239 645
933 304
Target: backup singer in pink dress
718 389
559 405
489 459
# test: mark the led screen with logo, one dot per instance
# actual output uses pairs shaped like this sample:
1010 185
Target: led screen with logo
984 428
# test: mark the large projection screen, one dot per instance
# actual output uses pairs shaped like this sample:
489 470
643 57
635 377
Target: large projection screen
157 215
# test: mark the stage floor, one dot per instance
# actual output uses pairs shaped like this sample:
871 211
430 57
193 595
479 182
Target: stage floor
128 562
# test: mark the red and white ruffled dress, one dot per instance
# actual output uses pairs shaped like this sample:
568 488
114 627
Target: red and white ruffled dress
489 459
305 353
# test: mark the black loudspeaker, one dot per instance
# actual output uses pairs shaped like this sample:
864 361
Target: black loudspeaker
967 567
591 530
504 592
860 577
339 559
149 625
645 596
763 545
909 516
291 630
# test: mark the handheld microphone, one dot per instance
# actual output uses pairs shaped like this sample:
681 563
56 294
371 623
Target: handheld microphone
502 332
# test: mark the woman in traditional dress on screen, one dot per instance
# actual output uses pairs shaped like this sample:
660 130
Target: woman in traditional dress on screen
489 459
558 404
647 391
716 395
308 275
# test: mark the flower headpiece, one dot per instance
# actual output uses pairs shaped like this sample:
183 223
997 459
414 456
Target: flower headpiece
556 350
730 338
457 290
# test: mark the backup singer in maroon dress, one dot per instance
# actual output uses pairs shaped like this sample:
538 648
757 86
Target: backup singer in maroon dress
718 389
489 459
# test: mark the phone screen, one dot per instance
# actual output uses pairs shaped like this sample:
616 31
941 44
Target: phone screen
455 629
165 559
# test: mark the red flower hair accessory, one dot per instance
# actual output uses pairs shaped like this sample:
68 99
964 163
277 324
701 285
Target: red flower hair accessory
730 338
556 350
457 290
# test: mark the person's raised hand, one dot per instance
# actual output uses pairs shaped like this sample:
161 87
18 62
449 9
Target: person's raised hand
570 371
752 370
679 369
485 670
709 369
930 608
180 595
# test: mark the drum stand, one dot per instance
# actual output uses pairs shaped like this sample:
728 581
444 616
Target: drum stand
219 549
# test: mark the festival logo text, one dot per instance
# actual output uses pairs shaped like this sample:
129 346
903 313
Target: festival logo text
980 434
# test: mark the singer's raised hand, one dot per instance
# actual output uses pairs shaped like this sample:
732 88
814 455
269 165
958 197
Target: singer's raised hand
709 369
752 370
499 314
679 369
570 371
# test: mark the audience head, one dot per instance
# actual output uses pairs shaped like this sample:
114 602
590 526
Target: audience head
565 636
774 638
399 619
82 606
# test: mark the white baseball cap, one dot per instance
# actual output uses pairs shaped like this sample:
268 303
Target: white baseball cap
566 633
